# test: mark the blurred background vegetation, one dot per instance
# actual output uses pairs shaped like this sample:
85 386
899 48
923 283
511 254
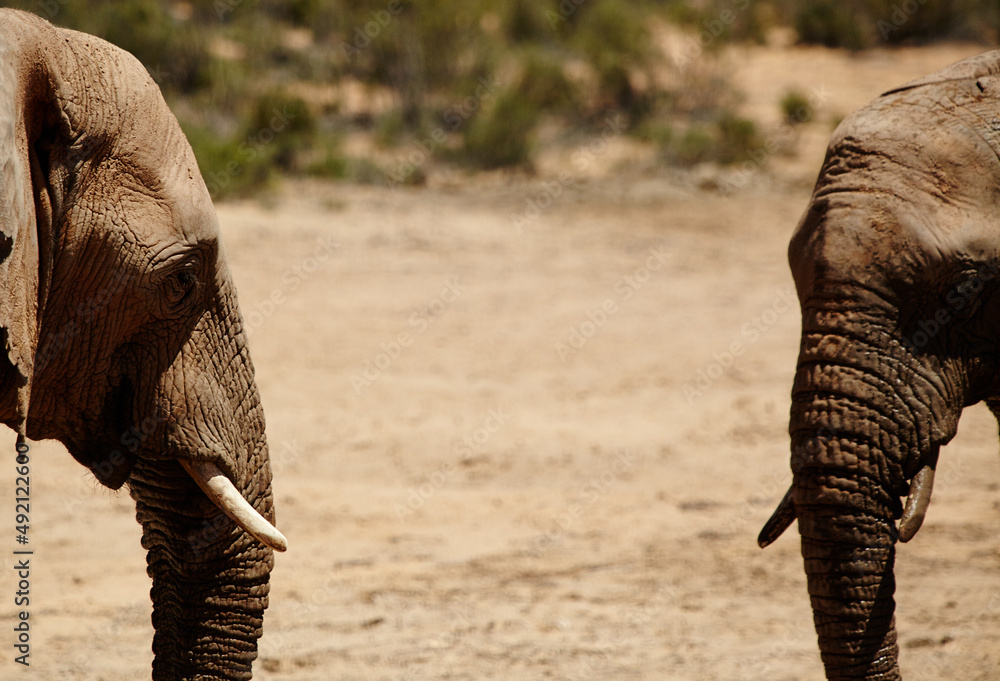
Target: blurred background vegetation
270 87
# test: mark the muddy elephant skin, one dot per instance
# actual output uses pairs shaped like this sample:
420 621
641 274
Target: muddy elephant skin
896 263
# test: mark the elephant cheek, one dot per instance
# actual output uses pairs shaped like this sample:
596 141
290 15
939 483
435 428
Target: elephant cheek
114 470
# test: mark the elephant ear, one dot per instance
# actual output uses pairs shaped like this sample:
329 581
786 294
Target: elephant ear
973 68
26 108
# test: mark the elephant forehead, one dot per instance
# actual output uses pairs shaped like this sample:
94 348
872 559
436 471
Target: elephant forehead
845 234
150 161
192 216
877 240
909 183
162 223
928 157
883 222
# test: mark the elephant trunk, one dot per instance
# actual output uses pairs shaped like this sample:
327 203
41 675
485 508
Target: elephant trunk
210 578
209 548
862 425
848 548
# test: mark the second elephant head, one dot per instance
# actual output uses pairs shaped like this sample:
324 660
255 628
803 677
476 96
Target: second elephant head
897 266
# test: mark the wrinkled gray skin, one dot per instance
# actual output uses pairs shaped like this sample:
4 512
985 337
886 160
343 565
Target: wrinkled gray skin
120 334
897 266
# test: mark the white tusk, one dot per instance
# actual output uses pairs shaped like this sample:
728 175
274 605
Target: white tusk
227 498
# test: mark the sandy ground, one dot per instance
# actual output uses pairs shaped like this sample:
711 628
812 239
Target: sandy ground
539 450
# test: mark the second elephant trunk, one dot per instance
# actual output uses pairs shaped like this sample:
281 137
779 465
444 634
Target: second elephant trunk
848 549
859 433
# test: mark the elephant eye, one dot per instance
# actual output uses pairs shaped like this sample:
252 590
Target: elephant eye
966 296
179 285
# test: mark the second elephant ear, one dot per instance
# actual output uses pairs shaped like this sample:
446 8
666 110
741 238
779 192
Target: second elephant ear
27 114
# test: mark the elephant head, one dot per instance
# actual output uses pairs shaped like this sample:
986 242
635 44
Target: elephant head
897 263
121 335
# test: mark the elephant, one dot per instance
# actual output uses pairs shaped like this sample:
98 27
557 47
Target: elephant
122 337
896 262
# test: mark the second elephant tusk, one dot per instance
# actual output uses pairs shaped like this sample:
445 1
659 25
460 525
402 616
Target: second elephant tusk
779 521
223 493
916 503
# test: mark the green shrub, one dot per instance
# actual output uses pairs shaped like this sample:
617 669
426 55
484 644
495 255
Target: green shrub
366 171
222 65
229 167
544 84
724 20
738 139
795 108
833 23
227 86
728 140
655 132
753 24
524 22
328 161
857 24
696 145
613 37
501 136
173 49
389 128
281 127
612 33
278 134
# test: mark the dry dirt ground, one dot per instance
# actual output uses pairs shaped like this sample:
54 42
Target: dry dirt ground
534 454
